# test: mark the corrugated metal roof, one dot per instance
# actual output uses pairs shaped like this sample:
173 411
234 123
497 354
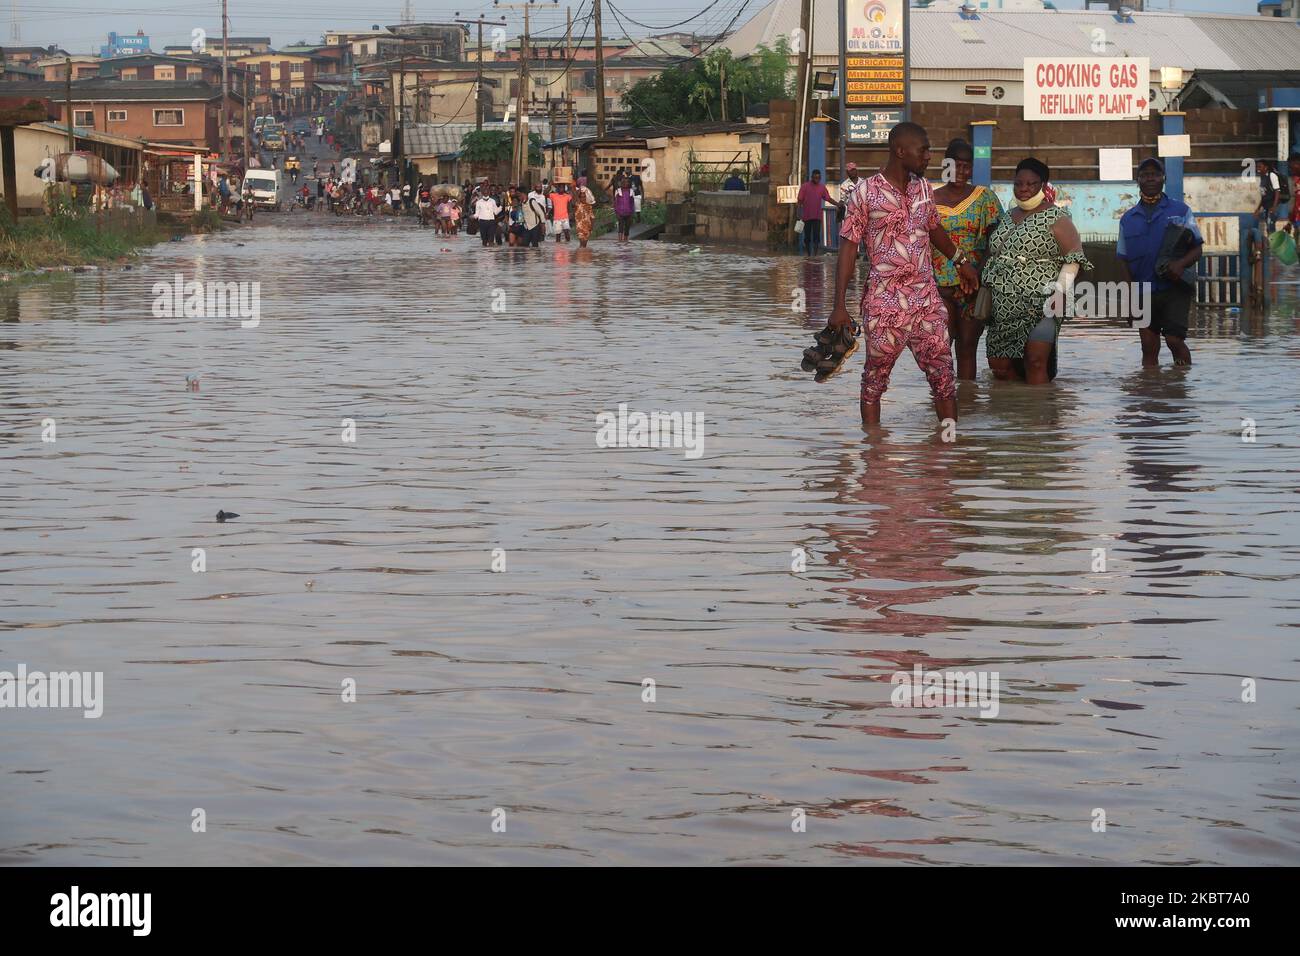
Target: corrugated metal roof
431 139
1001 40
1275 48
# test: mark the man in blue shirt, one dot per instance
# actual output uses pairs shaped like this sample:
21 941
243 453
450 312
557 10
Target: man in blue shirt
1145 256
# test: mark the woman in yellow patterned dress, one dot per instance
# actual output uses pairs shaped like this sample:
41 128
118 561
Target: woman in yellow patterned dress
968 213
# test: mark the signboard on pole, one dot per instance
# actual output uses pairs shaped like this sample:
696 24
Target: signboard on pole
872 126
1087 88
873 60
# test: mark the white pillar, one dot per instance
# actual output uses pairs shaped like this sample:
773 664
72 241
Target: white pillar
198 183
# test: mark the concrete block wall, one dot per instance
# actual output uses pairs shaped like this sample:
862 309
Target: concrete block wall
732 217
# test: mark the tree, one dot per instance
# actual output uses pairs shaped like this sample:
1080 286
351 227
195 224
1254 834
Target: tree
694 91
495 146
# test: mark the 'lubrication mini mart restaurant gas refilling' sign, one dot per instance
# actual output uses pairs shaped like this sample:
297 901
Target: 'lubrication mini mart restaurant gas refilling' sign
873 58
1087 88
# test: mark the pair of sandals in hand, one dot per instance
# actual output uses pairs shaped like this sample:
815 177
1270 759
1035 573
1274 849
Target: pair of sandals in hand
830 355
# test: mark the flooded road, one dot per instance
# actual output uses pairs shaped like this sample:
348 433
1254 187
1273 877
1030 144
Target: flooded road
523 689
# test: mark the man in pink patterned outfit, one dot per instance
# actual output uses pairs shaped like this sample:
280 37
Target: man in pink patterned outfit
901 307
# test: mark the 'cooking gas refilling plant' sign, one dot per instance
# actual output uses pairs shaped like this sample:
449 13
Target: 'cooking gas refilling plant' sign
1087 88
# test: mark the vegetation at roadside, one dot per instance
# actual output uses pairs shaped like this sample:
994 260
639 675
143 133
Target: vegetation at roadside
205 220
69 236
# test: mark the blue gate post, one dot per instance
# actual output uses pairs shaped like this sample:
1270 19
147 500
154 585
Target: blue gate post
1171 124
817 155
982 132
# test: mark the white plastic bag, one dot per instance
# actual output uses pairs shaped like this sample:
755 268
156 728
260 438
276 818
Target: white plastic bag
798 227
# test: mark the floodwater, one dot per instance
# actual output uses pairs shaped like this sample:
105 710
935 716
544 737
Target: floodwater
521 690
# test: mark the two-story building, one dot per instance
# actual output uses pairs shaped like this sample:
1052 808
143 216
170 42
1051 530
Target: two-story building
55 69
283 82
177 113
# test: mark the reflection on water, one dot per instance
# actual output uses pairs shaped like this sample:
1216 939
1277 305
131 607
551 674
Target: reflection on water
1121 688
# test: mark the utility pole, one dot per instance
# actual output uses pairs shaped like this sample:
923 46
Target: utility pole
225 84
478 87
722 88
801 91
67 93
550 109
519 155
401 114
801 104
245 112
600 73
520 162
568 62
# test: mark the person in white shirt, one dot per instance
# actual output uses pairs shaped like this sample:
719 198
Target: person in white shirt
486 210
849 194
535 216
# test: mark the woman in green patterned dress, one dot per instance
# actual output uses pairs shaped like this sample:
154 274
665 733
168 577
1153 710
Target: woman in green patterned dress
1034 254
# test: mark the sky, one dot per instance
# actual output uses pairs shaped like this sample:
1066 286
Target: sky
81 26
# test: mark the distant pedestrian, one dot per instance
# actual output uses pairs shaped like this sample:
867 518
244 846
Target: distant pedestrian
813 195
584 210
406 196
535 217
624 208
486 211
561 200
849 188
638 191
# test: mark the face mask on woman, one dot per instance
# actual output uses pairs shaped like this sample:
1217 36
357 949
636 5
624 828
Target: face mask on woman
1032 203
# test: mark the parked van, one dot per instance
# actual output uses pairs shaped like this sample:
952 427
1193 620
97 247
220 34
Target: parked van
265 185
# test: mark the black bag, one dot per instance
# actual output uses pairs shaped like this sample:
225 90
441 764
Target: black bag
471 226
1174 245
982 309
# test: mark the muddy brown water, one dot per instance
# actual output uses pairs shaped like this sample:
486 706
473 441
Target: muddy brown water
371 561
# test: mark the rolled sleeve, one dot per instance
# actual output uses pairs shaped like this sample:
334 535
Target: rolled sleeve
855 223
